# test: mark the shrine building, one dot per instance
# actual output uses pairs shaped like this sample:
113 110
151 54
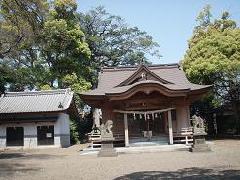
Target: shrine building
146 102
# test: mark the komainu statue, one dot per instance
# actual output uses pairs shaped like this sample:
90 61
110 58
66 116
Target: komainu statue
107 139
198 125
106 129
199 144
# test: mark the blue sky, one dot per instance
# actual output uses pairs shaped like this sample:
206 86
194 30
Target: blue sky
170 22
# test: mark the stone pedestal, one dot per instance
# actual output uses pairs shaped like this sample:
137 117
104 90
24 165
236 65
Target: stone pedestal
199 144
107 149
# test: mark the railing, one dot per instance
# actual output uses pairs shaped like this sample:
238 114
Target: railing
184 136
95 139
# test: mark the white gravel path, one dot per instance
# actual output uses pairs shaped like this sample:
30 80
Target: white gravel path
60 164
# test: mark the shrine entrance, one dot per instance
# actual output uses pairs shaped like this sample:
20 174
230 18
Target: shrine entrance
148 127
151 130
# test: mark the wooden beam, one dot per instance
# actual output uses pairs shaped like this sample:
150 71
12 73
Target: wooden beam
148 100
142 112
126 130
170 131
146 108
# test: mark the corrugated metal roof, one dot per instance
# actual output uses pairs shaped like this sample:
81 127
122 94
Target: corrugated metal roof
36 101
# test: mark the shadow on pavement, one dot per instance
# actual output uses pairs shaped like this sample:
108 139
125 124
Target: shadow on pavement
11 163
9 169
186 174
12 155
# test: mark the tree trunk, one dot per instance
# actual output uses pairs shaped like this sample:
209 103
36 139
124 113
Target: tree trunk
237 116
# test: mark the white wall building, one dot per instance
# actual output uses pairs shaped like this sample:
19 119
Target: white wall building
36 119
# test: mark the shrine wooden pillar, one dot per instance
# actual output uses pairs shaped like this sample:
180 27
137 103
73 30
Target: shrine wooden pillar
170 131
126 130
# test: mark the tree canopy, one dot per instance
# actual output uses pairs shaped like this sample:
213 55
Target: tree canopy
114 43
213 57
20 23
43 42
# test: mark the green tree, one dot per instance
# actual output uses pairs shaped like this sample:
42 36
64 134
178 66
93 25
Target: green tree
213 57
20 21
51 43
20 24
77 84
63 43
112 42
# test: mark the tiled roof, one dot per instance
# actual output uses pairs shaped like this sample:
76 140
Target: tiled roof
110 78
36 101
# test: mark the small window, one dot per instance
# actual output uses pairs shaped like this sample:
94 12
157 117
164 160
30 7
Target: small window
45 135
15 136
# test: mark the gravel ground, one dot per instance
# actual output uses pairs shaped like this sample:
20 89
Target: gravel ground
60 164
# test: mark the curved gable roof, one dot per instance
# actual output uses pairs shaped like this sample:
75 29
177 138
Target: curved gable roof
142 69
118 79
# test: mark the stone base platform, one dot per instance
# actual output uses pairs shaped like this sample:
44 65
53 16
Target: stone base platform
143 149
107 153
200 148
199 144
107 149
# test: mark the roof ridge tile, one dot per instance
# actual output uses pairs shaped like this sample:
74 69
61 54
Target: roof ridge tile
34 93
131 68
